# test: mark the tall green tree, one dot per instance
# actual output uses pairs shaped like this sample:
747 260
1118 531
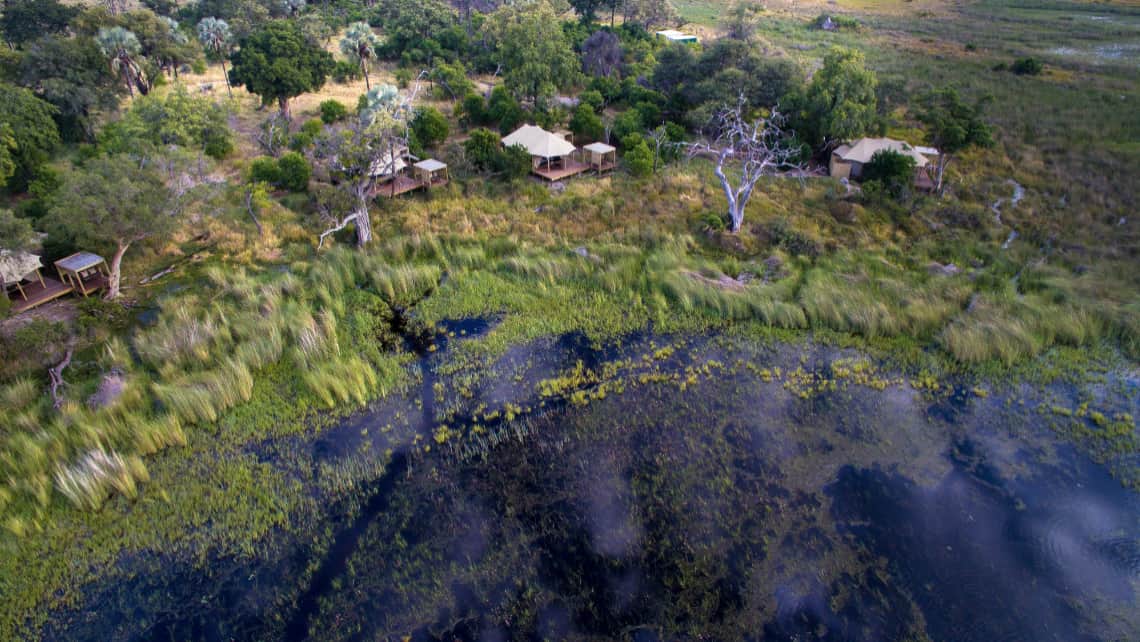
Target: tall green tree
533 49
8 149
277 63
30 124
16 233
412 28
26 20
840 103
72 74
113 202
123 49
360 44
587 10
952 126
217 40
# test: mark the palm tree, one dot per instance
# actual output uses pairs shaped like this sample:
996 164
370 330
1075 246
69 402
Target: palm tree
293 7
121 47
214 33
360 44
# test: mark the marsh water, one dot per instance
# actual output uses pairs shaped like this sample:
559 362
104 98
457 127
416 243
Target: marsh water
667 488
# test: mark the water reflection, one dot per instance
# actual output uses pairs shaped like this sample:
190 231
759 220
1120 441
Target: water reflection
731 508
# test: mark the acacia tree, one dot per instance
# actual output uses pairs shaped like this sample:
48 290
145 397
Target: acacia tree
114 201
216 39
16 233
749 150
122 48
359 44
356 152
277 62
952 126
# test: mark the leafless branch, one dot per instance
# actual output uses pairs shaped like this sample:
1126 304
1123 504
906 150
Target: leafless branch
757 148
56 374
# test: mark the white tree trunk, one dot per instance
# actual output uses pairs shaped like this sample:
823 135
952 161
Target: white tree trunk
363 225
116 271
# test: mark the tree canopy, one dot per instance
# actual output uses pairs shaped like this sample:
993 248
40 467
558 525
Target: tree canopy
952 126
15 233
26 20
72 74
277 63
535 53
112 202
32 129
840 103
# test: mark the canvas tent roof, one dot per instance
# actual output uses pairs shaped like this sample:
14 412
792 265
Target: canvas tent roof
600 148
383 166
863 149
430 165
678 36
14 266
539 142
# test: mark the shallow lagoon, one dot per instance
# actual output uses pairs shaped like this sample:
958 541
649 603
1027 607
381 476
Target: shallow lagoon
674 488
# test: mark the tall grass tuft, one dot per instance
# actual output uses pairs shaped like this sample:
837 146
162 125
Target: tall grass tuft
203 396
89 482
342 380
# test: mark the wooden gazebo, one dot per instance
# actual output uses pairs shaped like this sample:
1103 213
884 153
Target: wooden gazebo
601 157
24 284
430 173
83 271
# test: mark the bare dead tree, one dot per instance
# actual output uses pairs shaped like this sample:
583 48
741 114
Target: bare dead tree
56 375
748 150
365 149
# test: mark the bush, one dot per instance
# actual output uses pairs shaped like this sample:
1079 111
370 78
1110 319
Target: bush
333 111
481 148
473 111
403 78
586 124
429 126
513 162
638 157
218 147
345 72
293 172
264 170
593 98
1027 67
894 171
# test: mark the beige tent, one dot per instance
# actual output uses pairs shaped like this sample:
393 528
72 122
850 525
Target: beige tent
14 266
539 143
847 160
383 167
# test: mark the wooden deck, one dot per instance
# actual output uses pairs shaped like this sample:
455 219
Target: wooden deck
569 168
399 185
38 294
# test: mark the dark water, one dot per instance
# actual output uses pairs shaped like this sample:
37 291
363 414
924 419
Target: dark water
688 502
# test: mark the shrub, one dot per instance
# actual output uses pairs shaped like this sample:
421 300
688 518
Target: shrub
403 78
482 148
293 172
638 157
513 162
893 170
429 126
218 147
1027 66
473 111
333 111
586 124
592 98
264 170
344 72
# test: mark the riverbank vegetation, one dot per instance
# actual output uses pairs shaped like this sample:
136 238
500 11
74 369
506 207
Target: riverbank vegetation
246 318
